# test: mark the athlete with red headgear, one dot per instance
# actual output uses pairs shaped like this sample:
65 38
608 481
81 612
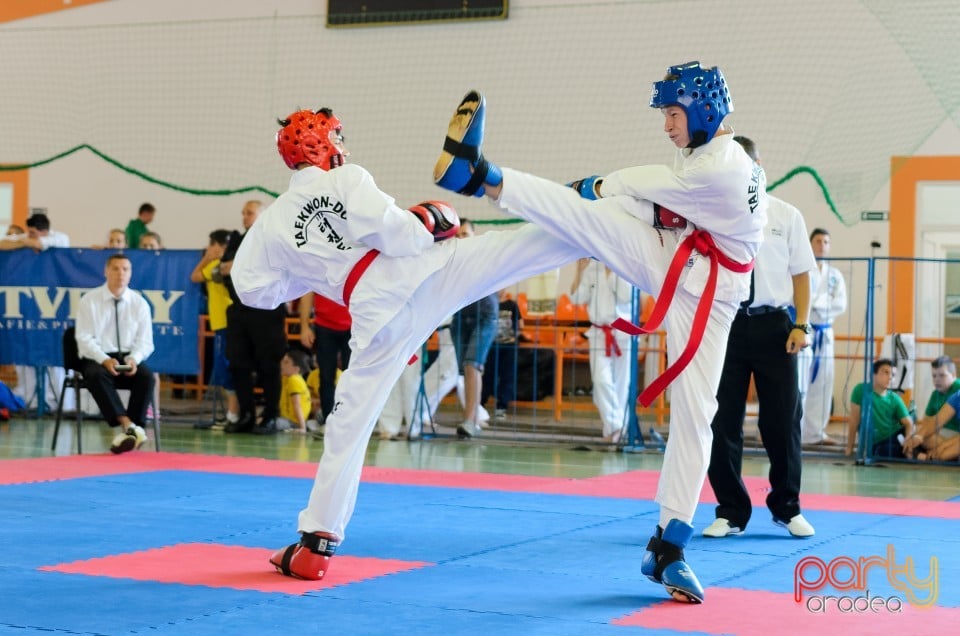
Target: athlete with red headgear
335 233
694 254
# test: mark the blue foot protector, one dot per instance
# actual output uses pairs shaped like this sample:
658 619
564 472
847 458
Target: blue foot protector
461 166
663 562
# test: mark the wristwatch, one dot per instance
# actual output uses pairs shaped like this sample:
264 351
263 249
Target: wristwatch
804 327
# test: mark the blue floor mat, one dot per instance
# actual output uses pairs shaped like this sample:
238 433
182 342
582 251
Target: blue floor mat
501 562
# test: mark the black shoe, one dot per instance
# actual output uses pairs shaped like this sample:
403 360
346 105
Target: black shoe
245 424
266 427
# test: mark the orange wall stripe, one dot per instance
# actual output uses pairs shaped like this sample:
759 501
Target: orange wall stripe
20 180
11 10
905 174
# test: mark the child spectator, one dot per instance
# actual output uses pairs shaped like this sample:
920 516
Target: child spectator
889 416
207 271
294 394
938 433
150 241
116 240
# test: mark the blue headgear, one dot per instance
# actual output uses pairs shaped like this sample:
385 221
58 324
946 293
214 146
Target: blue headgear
702 94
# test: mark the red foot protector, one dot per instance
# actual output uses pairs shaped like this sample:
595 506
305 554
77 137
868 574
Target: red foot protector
735 611
309 558
230 566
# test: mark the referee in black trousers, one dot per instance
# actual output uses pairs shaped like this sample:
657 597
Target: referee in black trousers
256 342
764 342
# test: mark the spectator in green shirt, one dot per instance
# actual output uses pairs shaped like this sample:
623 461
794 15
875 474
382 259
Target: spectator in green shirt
138 227
945 384
939 432
888 414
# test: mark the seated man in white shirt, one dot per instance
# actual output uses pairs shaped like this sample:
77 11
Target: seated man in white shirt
114 337
39 236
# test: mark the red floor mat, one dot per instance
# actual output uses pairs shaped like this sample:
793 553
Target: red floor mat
236 567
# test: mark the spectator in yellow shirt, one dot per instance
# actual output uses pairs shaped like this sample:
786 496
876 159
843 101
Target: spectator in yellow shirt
207 271
294 394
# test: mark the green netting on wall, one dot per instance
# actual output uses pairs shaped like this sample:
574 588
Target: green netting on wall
836 88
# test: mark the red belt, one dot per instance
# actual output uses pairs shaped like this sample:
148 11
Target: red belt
701 241
609 342
354 276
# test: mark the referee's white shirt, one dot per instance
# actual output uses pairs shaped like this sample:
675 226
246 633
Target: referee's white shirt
785 253
98 319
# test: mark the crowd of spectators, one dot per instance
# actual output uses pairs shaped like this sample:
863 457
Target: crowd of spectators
260 351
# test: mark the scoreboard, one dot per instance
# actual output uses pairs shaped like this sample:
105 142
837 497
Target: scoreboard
347 13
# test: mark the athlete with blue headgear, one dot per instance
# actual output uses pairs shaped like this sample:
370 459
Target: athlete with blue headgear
686 233
701 93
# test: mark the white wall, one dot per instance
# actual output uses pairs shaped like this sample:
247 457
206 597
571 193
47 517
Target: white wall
584 130
838 85
86 196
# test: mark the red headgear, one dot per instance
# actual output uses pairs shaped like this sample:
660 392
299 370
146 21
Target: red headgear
311 137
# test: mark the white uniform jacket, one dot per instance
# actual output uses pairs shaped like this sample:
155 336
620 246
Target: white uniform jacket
311 237
785 253
717 188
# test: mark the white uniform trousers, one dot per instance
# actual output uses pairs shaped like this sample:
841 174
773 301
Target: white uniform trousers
402 401
442 376
640 254
611 378
819 393
477 267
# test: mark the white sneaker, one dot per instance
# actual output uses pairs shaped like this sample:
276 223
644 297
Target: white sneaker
139 434
721 528
468 429
122 442
132 438
798 526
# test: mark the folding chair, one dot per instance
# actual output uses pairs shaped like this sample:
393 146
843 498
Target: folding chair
74 379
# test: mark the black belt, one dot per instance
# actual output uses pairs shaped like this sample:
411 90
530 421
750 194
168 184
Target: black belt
759 311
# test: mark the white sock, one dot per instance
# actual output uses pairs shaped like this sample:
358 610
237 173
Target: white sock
233 418
666 514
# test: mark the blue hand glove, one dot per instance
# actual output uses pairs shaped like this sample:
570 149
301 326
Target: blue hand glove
587 187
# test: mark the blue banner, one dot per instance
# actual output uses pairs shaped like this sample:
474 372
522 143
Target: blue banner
40 292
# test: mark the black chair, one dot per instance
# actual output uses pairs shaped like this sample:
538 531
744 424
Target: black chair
74 379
